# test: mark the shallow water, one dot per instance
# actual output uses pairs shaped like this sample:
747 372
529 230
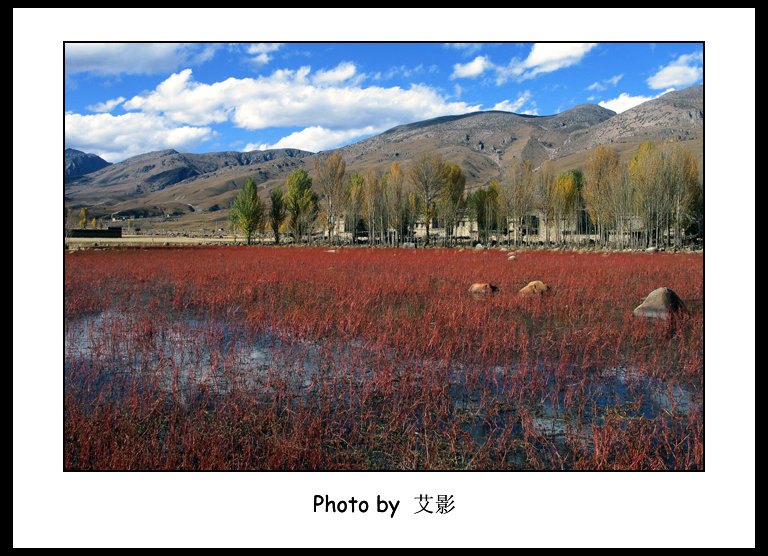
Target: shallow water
187 358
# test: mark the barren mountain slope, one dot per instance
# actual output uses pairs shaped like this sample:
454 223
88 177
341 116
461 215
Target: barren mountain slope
482 143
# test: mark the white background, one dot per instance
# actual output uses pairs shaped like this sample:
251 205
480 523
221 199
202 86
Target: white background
700 509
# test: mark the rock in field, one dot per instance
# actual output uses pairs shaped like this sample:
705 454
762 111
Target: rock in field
537 287
661 303
482 288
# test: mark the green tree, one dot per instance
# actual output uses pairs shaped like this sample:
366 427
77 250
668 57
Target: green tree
484 206
277 212
247 212
301 203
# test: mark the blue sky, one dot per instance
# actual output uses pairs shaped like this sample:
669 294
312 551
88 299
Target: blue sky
123 99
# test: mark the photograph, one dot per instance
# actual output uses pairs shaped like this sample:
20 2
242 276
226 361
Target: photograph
383 256
372 281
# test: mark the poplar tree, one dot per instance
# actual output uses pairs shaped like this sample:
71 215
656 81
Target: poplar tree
426 174
247 212
355 200
452 198
601 172
277 212
329 175
545 192
396 199
517 195
301 203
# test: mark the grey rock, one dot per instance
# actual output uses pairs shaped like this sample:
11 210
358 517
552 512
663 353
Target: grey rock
661 303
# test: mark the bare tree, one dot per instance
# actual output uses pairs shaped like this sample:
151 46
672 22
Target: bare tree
646 170
395 198
329 176
372 203
565 202
623 203
355 199
518 194
426 174
683 180
601 171
545 193
451 198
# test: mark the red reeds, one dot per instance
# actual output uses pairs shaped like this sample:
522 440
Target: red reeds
295 358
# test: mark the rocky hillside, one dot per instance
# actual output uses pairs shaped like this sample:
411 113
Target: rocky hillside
678 114
482 143
78 163
172 182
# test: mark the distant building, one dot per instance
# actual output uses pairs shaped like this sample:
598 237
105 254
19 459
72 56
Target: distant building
109 232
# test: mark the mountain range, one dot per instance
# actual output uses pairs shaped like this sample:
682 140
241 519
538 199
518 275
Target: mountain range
482 143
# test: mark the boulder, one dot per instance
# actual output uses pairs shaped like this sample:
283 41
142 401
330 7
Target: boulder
482 288
537 287
661 303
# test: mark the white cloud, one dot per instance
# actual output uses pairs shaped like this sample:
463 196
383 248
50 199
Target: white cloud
263 47
183 101
261 52
133 58
467 48
598 86
315 139
115 138
472 69
682 72
543 58
548 57
517 105
625 101
292 98
328 102
401 71
106 106
343 72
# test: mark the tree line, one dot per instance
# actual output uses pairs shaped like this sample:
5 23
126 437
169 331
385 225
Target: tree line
654 199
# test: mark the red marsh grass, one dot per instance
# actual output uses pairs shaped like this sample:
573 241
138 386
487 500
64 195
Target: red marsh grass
255 358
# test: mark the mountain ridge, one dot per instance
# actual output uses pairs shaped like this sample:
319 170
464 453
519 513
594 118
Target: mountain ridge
483 143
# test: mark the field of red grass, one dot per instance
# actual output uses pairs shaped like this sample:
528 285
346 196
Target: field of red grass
297 358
